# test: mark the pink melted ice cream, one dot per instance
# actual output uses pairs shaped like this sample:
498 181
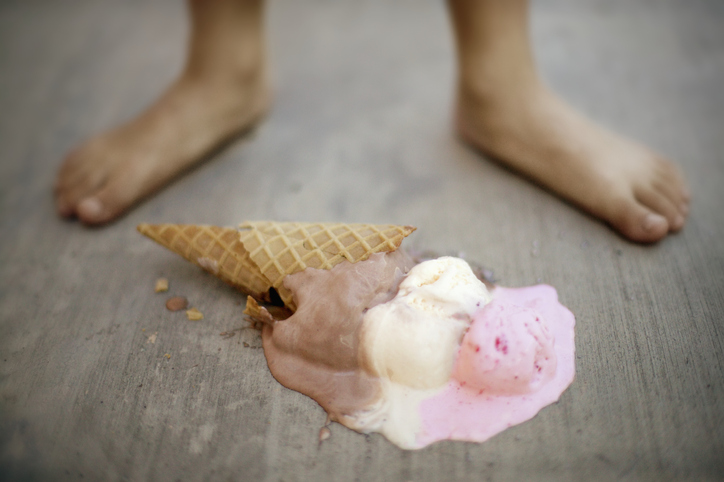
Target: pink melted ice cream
421 353
484 396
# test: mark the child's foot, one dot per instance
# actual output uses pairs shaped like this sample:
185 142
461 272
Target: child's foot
640 194
102 178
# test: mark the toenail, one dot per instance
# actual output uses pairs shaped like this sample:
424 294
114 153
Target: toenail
91 207
651 221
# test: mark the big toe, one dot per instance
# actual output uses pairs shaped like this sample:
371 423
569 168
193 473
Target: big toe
77 179
639 223
70 191
107 204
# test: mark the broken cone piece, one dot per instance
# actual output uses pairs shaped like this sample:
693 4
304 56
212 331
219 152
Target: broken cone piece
161 285
194 315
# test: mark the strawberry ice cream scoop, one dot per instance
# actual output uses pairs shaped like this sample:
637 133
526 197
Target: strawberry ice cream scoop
507 350
483 396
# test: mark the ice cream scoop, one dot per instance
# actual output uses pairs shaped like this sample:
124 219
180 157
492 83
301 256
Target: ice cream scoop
508 350
412 339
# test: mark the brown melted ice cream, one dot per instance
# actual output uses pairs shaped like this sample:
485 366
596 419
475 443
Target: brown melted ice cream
315 351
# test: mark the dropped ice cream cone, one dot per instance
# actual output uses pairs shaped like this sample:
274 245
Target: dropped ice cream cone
393 345
256 256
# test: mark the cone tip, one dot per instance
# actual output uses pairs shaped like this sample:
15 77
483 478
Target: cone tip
144 228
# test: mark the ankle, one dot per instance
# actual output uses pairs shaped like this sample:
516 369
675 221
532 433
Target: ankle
247 72
482 91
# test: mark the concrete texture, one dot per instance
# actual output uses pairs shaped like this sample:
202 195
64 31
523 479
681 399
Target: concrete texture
360 131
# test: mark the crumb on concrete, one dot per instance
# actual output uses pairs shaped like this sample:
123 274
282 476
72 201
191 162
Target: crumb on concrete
194 315
161 285
176 303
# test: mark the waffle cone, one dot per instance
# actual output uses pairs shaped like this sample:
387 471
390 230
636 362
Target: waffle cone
257 256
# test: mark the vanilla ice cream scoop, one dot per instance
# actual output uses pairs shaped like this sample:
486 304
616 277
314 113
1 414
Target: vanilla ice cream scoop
508 350
412 339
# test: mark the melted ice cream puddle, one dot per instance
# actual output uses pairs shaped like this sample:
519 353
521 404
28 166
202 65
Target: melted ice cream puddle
424 357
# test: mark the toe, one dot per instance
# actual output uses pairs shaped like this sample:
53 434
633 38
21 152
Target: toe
669 180
68 193
65 183
674 191
660 203
91 210
97 209
63 205
77 177
673 197
108 203
637 222
71 190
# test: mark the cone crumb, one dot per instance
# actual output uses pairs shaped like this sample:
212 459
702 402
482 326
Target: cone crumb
161 285
194 315
176 303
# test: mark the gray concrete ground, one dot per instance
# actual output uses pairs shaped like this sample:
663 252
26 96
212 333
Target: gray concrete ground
360 131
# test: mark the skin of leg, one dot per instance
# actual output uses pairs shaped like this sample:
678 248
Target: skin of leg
221 92
504 109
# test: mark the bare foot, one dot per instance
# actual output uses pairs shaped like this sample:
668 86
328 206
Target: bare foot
102 178
640 194
504 110
222 91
